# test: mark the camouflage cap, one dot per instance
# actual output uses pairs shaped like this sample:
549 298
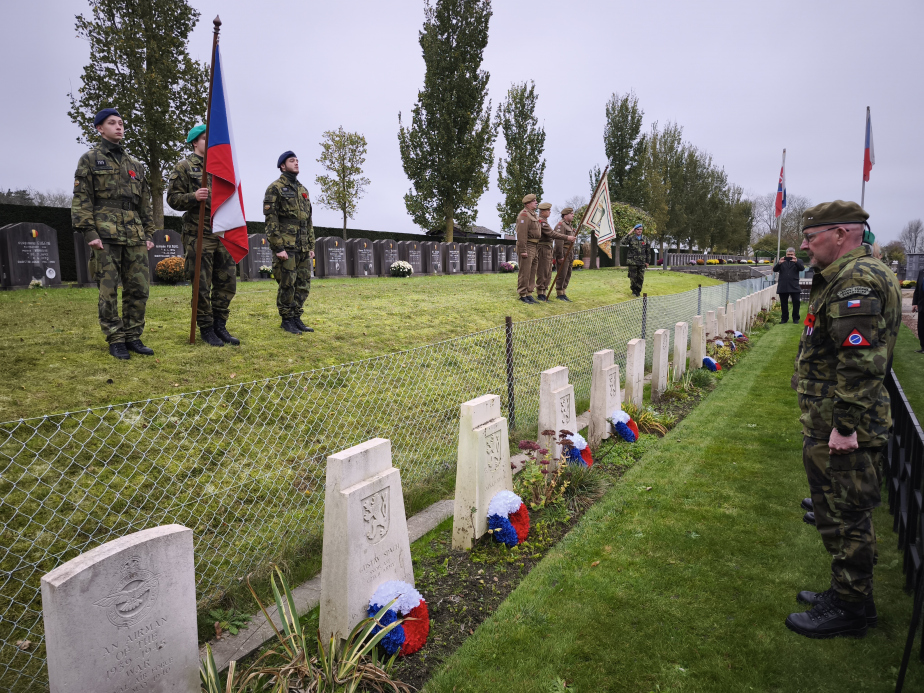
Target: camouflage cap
529 198
545 205
566 211
194 133
837 212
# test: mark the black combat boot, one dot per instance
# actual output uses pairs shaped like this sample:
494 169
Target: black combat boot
541 297
807 505
830 618
289 326
812 598
809 519
221 330
118 350
138 347
563 297
300 325
209 336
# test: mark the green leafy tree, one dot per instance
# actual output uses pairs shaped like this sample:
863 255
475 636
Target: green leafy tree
447 151
343 154
624 145
522 172
894 251
139 64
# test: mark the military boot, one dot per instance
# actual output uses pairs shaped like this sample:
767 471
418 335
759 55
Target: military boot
221 330
809 519
541 297
289 326
209 336
812 598
118 350
138 347
830 618
300 325
807 505
564 297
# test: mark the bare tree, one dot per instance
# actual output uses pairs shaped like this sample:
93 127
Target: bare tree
51 198
912 236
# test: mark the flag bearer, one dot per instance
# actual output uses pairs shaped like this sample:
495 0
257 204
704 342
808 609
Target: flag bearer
637 258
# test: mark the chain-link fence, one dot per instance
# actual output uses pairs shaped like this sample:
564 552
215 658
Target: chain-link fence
243 465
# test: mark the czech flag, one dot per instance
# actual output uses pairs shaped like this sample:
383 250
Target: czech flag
227 199
781 188
869 157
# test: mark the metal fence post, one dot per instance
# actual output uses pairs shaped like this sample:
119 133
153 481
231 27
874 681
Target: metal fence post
727 287
644 314
699 300
511 397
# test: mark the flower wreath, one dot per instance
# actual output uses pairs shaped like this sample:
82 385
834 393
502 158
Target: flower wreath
624 426
508 518
579 452
711 364
740 335
409 636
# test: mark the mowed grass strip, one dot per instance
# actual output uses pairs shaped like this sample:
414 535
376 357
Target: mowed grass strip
682 576
55 358
909 367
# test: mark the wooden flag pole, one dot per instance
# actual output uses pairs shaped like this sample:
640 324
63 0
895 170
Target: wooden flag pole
205 159
593 234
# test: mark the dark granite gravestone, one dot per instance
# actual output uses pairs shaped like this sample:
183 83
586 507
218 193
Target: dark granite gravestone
260 255
330 253
432 257
512 255
166 244
29 251
469 258
360 257
386 253
412 253
451 257
486 261
82 255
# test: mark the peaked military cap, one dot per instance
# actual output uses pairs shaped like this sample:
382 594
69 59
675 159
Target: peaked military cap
194 133
529 198
566 211
103 114
545 205
837 212
283 157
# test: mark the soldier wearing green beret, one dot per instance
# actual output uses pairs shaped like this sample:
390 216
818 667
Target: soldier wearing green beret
529 231
218 271
563 248
637 258
850 330
112 208
287 209
546 252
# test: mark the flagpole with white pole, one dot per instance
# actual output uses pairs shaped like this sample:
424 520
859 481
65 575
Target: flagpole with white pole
868 156
779 219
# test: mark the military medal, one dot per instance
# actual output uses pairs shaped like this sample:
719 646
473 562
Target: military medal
809 323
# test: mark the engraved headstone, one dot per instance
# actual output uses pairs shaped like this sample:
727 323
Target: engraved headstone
386 254
711 325
122 617
680 349
260 255
360 257
482 469
412 253
720 321
486 255
82 255
469 258
29 251
432 257
330 252
167 244
635 371
365 534
697 343
660 364
556 408
605 396
451 258
730 314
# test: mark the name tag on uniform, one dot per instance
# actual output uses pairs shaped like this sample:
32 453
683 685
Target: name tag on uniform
196 169
102 162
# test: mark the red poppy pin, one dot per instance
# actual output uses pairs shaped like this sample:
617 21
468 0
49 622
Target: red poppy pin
305 195
131 173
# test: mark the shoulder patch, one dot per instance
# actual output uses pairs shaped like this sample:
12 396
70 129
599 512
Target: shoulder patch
854 290
197 169
76 183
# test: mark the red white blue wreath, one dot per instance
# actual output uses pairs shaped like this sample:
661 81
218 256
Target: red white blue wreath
740 335
409 636
579 452
624 426
508 518
711 364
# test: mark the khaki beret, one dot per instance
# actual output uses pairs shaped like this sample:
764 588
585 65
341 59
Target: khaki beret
529 198
837 212
545 205
566 211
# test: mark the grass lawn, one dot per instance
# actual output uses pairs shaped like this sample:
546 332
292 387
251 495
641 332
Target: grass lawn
909 367
55 358
681 577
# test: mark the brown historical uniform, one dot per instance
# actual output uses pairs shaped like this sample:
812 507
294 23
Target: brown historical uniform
528 235
563 258
544 272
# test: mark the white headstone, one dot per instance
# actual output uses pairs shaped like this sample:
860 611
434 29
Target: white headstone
365 534
711 325
605 396
680 349
660 363
730 319
697 343
721 322
635 371
482 469
556 408
122 617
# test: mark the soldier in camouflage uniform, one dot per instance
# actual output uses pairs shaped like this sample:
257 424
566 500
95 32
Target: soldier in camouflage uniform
850 330
287 209
563 250
637 258
546 253
218 271
112 208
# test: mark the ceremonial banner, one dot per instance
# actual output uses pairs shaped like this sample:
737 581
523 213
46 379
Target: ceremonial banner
599 216
869 157
781 188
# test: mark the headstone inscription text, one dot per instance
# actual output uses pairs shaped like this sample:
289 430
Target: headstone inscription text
27 252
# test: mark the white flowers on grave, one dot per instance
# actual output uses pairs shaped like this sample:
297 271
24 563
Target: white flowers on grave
401 269
409 636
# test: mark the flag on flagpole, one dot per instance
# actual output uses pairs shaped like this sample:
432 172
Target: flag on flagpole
869 157
228 220
599 217
781 188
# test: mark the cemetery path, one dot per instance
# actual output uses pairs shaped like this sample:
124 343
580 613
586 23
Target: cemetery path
680 578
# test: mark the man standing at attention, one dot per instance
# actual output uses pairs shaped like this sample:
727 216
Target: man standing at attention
787 287
291 237
218 275
563 253
850 330
112 208
637 258
529 231
917 303
549 236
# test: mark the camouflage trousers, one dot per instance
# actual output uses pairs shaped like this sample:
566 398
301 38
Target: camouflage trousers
563 277
217 278
294 279
128 264
636 278
845 489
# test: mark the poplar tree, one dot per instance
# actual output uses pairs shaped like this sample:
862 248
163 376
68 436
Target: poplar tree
522 172
447 150
343 154
625 148
139 65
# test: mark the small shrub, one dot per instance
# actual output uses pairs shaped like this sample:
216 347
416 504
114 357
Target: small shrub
648 420
401 269
171 270
909 284
585 487
577 264
507 267
700 261
702 378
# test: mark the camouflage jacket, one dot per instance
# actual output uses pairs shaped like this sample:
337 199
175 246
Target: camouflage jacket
850 330
564 228
112 200
185 180
529 230
549 235
639 249
288 215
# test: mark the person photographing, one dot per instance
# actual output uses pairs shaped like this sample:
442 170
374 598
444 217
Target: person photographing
787 287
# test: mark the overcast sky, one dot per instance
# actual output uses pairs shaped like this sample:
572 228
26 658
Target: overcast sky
743 79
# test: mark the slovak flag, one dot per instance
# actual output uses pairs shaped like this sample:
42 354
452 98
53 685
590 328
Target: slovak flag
781 189
227 199
869 157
